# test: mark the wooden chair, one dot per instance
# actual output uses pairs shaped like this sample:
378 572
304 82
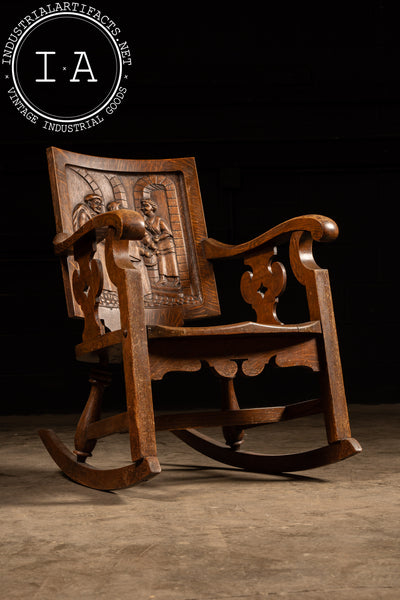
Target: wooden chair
137 267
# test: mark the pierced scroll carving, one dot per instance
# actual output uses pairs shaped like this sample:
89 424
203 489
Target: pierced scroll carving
262 286
87 282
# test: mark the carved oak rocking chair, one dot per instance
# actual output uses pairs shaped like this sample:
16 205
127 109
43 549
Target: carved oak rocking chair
137 266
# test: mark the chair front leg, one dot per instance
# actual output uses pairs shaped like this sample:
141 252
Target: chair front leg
135 351
316 282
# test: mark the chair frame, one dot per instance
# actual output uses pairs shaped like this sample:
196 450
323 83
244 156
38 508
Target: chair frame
154 340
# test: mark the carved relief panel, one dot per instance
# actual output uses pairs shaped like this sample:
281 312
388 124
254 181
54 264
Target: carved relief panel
165 256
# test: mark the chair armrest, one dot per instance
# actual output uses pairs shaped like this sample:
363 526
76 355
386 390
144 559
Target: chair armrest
322 229
127 225
262 285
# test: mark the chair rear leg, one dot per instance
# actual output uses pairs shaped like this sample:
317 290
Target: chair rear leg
333 396
234 436
99 379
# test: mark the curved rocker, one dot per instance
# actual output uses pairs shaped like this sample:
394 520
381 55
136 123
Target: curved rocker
100 479
265 463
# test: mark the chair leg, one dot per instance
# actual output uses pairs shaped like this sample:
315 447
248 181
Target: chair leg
145 464
139 399
99 379
234 436
333 395
334 407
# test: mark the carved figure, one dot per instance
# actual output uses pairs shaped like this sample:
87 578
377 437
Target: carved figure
91 206
158 247
115 205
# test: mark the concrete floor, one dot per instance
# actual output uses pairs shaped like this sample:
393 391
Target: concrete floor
200 532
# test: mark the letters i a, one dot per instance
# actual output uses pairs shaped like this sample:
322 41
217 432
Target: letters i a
78 69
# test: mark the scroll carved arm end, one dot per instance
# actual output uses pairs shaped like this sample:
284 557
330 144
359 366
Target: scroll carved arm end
126 224
301 255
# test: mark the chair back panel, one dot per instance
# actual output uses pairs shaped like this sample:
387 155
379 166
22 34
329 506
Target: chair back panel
178 281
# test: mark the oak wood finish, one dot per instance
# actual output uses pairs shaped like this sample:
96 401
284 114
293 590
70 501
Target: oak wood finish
137 268
274 463
244 418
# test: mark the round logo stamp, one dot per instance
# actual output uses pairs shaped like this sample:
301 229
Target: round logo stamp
67 66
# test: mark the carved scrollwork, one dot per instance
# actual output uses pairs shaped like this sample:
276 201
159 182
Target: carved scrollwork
87 284
301 256
262 286
224 367
299 354
254 365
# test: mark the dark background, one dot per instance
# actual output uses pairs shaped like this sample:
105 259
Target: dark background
286 114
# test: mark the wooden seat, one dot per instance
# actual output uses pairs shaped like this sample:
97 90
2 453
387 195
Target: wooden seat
235 329
137 266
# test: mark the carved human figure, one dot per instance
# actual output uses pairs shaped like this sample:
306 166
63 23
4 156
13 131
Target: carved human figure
115 205
158 247
91 206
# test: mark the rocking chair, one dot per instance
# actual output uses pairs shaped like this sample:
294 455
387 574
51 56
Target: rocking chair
137 267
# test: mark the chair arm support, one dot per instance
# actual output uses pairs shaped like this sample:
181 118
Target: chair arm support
265 281
127 225
322 229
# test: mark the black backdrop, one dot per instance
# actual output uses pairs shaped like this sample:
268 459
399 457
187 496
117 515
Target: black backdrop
285 114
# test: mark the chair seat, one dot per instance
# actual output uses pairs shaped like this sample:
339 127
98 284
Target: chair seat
224 347
86 351
235 329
